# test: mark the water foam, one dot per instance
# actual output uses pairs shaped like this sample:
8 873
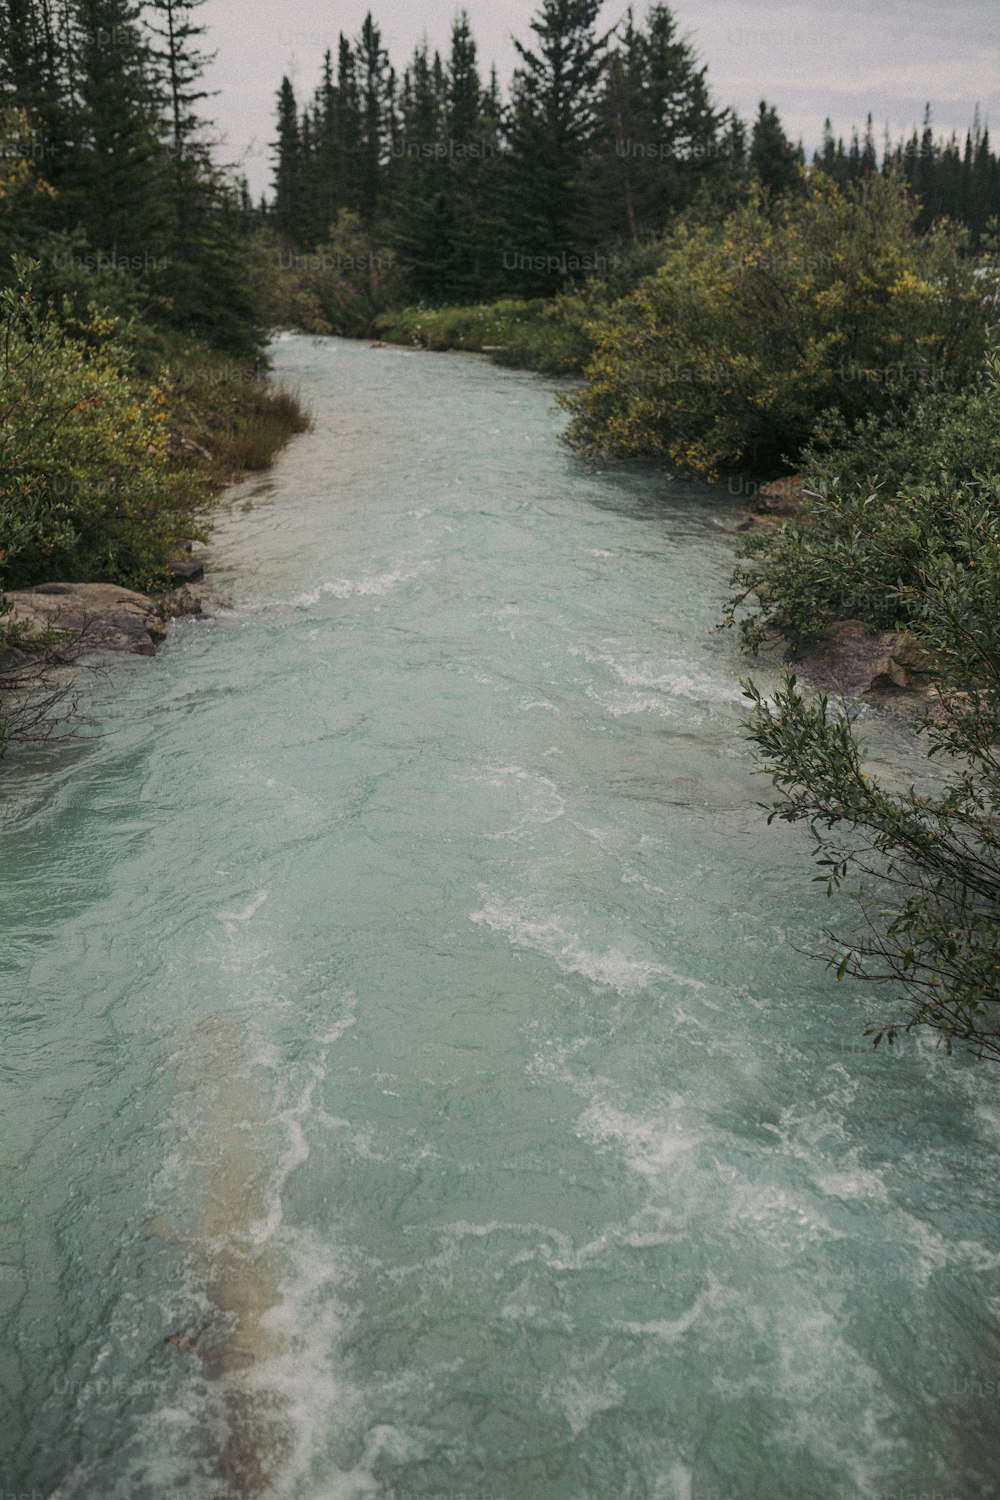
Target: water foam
540 797
555 939
248 913
368 586
319 1405
636 670
651 1147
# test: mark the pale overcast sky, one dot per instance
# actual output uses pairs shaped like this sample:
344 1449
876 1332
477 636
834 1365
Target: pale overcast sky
841 59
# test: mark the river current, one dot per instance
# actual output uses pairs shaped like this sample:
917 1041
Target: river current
415 1082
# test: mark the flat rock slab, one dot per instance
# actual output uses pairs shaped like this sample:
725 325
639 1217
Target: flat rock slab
100 616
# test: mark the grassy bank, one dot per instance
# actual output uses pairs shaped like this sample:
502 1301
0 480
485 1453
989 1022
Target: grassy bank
227 418
550 336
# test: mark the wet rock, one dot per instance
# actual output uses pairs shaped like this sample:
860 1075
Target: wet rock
180 603
187 1341
99 616
186 569
915 660
862 661
192 599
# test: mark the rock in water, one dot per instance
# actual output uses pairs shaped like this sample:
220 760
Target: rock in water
192 599
100 616
859 660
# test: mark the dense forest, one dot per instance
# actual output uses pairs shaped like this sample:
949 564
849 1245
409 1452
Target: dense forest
132 342
108 178
601 140
731 309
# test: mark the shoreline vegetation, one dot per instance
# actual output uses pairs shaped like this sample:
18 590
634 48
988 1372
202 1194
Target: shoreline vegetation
823 336
111 467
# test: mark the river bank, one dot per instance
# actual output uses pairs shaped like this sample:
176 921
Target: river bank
113 458
105 617
223 441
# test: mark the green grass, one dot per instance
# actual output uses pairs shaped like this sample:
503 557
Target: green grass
227 418
543 335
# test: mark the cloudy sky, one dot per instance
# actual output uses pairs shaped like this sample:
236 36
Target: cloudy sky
842 58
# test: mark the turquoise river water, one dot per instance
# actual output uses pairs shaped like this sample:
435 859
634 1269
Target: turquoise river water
414 1081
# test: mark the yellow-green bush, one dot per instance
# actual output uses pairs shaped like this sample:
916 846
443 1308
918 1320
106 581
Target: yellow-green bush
724 358
87 489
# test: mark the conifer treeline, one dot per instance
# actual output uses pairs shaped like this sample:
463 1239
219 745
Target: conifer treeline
954 179
101 99
603 138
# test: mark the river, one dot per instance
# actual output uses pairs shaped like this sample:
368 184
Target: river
415 1083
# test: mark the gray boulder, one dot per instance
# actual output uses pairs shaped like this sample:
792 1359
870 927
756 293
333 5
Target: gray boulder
99 616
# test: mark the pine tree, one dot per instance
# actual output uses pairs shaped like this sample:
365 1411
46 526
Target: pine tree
554 119
423 219
686 123
445 220
36 105
965 182
376 103
202 288
493 102
325 169
474 118
179 65
624 137
832 158
985 188
348 125
774 161
464 89
289 174
660 134
117 163
924 166
33 68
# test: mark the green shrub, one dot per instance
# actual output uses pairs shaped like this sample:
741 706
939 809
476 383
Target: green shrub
724 358
938 435
87 488
342 287
930 858
881 500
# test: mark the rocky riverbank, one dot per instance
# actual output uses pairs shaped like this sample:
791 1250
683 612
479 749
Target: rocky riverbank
887 666
106 617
